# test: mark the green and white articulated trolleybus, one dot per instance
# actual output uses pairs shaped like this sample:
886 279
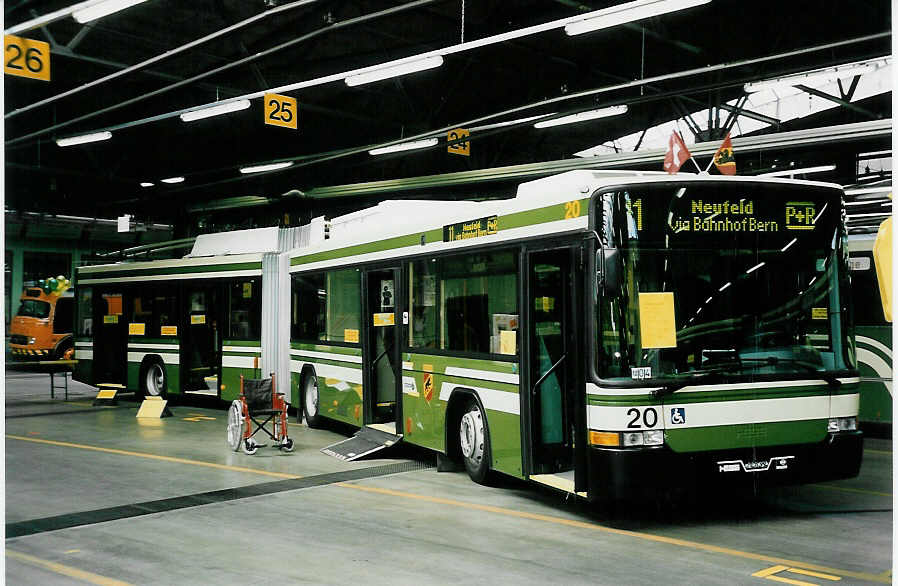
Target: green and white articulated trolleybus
601 333
873 329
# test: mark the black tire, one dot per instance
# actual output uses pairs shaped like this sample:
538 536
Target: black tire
311 407
474 443
64 347
153 379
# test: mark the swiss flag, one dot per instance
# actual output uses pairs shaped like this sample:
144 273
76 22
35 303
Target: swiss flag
677 153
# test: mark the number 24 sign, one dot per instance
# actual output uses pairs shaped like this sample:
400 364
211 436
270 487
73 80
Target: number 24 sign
281 110
26 57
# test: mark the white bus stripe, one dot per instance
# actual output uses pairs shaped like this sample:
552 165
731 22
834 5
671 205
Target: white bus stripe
876 344
499 377
492 399
327 356
726 412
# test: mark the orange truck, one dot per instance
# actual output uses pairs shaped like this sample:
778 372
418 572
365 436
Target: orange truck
42 328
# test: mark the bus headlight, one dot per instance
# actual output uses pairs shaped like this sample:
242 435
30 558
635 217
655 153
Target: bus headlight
841 424
31 340
627 439
654 437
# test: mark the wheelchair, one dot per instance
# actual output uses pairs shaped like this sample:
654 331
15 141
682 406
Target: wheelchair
258 398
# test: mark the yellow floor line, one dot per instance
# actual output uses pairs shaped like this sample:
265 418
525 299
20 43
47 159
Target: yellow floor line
858 490
65 570
883 452
623 532
154 457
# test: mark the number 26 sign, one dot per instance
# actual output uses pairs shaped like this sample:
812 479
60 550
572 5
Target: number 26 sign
26 57
281 110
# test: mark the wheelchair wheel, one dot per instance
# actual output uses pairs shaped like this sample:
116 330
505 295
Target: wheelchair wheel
250 446
235 425
288 445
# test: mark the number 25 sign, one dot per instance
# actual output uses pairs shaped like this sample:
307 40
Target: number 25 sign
281 110
26 57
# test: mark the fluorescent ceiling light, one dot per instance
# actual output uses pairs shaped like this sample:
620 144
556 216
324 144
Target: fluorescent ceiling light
887 153
225 108
380 73
93 137
405 146
102 9
173 180
146 184
754 268
582 116
786 247
269 167
815 77
725 286
859 190
800 171
868 202
629 12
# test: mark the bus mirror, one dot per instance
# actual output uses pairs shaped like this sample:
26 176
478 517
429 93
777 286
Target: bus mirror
882 257
607 274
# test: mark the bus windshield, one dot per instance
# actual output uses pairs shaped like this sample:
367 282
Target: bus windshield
739 279
34 308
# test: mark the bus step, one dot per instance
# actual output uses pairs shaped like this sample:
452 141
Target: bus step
366 441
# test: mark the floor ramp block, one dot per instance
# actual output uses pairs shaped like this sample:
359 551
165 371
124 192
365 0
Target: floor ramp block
365 441
154 408
106 394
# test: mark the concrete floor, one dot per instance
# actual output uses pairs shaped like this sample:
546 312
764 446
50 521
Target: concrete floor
94 495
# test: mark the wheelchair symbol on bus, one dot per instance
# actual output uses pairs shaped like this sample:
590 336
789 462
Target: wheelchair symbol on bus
678 415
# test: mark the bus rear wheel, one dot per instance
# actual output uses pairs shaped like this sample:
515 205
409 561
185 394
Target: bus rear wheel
310 401
154 382
474 443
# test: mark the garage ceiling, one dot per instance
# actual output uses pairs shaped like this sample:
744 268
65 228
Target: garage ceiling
291 42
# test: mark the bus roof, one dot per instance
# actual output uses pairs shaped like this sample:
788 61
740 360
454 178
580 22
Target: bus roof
538 204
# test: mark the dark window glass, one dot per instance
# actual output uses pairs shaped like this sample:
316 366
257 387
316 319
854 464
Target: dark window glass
34 308
865 291
465 302
308 308
85 312
344 305
246 310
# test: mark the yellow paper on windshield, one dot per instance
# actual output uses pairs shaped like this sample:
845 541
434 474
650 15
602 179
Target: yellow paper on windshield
657 325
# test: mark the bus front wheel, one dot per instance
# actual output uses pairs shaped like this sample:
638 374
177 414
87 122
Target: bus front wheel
474 442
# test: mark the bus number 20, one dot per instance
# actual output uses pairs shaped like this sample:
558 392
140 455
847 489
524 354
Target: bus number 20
642 418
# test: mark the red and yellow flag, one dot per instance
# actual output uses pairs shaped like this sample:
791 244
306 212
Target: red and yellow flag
724 159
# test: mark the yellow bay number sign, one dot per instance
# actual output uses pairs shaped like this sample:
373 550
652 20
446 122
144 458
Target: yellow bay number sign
26 57
281 111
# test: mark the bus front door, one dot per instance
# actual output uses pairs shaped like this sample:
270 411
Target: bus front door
381 348
553 361
200 340
110 328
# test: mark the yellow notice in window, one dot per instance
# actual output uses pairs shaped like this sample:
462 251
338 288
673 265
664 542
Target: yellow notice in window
819 313
351 336
508 342
168 331
137 329
657 325
384 319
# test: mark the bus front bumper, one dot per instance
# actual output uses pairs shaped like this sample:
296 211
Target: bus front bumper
619 474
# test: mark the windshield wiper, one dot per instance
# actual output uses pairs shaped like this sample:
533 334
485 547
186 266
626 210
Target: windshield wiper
829 377
737 365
